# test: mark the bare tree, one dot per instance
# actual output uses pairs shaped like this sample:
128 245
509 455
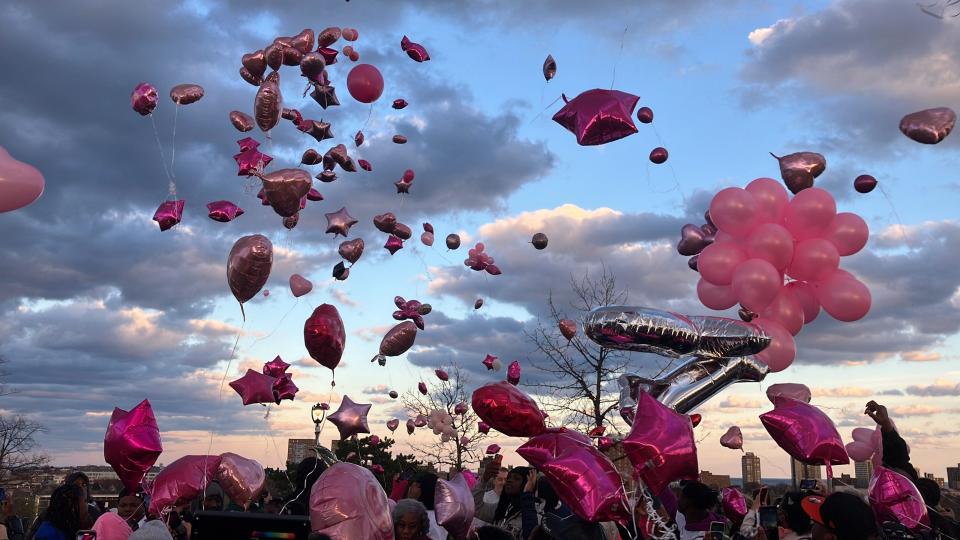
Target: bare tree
17 447
458 451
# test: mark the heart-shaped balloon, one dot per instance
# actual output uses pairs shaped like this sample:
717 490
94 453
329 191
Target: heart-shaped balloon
393 424
732 439
300 285
255 63
303 41
285 188
402 231
799 169
242 479
351 249
692 240
568 328
929 126
385 222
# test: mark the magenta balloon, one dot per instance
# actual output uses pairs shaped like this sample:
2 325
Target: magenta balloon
732 439
786 310
805 432
894 497
772 243
20 184
268 104
508 410
513 373
717 297
182 481
660 444
324 336
813 260
734 210
734 504
807 296
771 198
810 213
132 443
348 502
143 99
782 349
848 233
365 83
844 298
756 283
859 451
718 261
242 479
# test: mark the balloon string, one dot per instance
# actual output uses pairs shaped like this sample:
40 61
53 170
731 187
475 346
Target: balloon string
544 110
173 153
893 210
673 173
369 115
619 54
275 328
163 158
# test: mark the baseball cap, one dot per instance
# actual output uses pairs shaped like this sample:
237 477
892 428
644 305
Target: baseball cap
848 516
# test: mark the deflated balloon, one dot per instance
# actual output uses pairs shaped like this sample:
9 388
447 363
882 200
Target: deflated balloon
248 266
268 105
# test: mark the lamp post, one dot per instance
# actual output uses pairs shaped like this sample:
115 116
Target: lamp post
317 414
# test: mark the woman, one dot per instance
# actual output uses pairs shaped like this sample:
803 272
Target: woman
423 488
517 511
65 515
695 510
410 520
793 522
130 507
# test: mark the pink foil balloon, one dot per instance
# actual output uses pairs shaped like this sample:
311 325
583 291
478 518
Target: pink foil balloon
348 502
809 213
660 444
132 443
584 479
717 297
324 336
598 116
414 50
223 211
254 387
508 410
771 198
787 310
350 418
513 373
248 266
442 375
461 408
300 285
894 497
813 260
782 349
732 439
21 184
734 210
848 233
143 99
393 424
242 479
182 481
772 243
756 283
489 362
454 507
168 214
805 432
929 126
568 328
483 427
493 449
717 262
844 298
796 391
806 294
734 505
398 340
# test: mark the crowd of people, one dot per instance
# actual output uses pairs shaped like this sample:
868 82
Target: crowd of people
520 504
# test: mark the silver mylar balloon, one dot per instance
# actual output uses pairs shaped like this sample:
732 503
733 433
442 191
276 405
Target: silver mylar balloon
690 384
642 329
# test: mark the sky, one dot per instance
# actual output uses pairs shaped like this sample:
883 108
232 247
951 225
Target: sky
99 309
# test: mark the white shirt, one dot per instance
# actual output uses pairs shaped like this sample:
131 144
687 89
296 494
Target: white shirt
436 531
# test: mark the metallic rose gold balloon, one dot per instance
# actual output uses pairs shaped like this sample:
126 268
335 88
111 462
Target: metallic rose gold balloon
314 195
312 65
350 418
339 222
732 439
645 115
399 104
329 36
255 62
365 165
327 176
250 77
351 250
864 183
185 94
692 263
385 222
324 336
568 328
268 105
325 96
285 188
303 41
274 56
478 303
799 169
291 56
540 241
453 241
311 157
290 222
427 238
402 187
292 115
242 479
929 126
393 424
336 155
144 98
549 67
358 138
658 155
242 121
415 51
248 266
399 139
317 129
692 240
410 426
397 340
402 232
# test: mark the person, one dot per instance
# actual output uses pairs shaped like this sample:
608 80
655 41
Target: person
80 480
65 515
941 519
308 471
793 521
213 502
152 530
695 510
896 453
110 526
517 511
410 520
487 491
423 488
130 506
840 516
489 532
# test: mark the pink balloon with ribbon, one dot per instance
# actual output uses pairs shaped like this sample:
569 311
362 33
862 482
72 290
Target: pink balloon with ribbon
132 443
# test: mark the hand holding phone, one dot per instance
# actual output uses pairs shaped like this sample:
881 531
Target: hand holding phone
808 484
768 521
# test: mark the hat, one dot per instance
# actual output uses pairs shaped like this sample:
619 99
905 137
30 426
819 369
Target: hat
843 513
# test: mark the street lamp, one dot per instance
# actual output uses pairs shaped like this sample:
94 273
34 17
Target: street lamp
317 413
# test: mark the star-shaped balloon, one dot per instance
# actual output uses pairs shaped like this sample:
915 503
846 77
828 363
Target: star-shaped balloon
223 211
660 445
248 143
316 129
132 443
251 161
598 116
479 260
350 418
408 310
805 432
394 244
339 222
325 95
275 367
283 388
169 214
490 362
254 387
402 187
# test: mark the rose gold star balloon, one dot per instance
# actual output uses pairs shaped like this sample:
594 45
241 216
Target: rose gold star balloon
598 116
350 418
339 222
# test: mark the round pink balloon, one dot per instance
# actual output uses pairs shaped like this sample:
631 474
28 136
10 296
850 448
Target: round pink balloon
807 296
786 310
844 298
756 283
772 243
782 349
771 198
848 233
348 502
20 183
717 262
860 451
717 297
813 260
810 213
365 83
734 210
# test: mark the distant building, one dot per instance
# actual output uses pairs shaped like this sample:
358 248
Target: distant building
300 449
750 465
716 481
939 481
953 477
801 471
864 471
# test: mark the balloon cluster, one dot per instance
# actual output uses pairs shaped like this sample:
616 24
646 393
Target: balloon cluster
441 422
779 259
271 386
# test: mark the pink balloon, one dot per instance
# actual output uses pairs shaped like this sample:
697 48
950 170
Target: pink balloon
242 479
182 480
734 210
508 410
867 435
772 243
584 479
718 261
810 213
844 298
454 507
132 443
786 310
300 285
732 439
365 83
848 232
894 497
660 444
782 349
805 432
734 504
348 502
756 283
771 198
807 296
813 260
796 391
717 297
513 373
324 336
860 451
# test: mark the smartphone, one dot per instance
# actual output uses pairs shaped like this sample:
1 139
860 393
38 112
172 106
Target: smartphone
718 530
768 521
87 535
808 484
761 494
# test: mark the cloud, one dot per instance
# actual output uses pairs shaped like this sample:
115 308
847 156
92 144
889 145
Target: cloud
921 356
890 392
938 389
917 410
740 402
842 392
